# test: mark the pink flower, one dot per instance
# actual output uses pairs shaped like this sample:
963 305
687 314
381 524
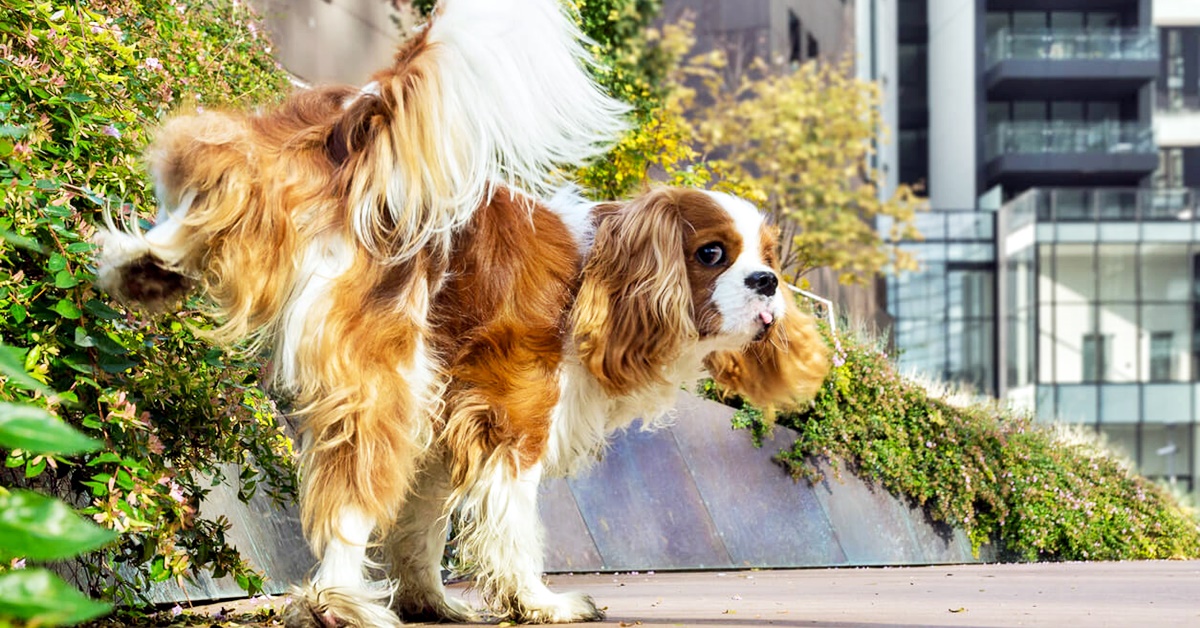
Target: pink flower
152 63
111 131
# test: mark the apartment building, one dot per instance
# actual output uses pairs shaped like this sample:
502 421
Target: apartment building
1059 141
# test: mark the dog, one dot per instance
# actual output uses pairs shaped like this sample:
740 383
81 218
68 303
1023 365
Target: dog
450 329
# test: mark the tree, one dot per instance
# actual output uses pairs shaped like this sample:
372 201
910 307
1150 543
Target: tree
798 143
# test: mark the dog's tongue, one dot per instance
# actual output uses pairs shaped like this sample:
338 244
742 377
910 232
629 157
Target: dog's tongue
766 318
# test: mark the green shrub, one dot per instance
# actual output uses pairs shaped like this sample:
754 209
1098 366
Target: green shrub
40 528
998 475
79 85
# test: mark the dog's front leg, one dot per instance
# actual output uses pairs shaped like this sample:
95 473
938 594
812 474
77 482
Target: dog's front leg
504 536
414 549
340 595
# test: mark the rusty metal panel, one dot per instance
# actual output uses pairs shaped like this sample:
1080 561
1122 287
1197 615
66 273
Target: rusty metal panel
569 544
765 519
643 508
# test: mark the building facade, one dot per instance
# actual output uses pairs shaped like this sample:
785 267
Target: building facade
1059 141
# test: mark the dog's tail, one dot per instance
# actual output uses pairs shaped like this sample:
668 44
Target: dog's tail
491 92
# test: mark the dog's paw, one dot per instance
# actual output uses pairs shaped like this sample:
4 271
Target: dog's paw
557 608
335 608
443 610
299 613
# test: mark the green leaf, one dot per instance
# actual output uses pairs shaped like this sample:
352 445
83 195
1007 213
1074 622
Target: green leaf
80 247
12 366
67 309
64 279
39 597
27 427
82 339
77 97
57 262
101 310
15 132
17 312
21 242
114 365
42 528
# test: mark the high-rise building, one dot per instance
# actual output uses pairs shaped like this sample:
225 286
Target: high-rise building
1059 142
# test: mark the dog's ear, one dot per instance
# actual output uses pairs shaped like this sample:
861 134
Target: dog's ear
634 307
783 370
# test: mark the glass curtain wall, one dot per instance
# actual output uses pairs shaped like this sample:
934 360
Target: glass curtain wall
945 311
1117 299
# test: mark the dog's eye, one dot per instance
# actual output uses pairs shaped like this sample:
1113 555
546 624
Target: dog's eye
711 254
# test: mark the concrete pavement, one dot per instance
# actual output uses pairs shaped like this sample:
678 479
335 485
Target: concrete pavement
1121 595
1129 594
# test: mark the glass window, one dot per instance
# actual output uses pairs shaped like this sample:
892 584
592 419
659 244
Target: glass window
1103 19
1169 174
1164 272
1067 20
1029 20
1118 271
1166 329
1120 403
1166 451
1045 403
1074 336
1119 355
1075 273
1122 439
996 20
1046 345
1097 348
1072 204
1098 111
1045 270
1066 111
1162 356
1029 111
1077 404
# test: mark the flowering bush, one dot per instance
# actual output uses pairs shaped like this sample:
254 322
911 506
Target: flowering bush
79 85
994 473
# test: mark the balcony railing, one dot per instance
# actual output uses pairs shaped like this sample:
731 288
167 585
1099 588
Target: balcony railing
1052 44
1108 204
1038 137
1176 102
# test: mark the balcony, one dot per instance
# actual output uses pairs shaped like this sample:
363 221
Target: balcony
1159 206
1027 154
1177 119
1065 63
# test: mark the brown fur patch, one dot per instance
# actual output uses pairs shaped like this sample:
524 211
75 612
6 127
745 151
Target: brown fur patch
499 326
783 370
634 308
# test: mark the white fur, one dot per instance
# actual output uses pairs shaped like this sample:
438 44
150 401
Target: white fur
121 246
739 305
576 212
515 103
415 546
324 261
503 533
340 588
346 553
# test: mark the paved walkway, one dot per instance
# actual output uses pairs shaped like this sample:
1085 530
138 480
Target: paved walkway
1130 594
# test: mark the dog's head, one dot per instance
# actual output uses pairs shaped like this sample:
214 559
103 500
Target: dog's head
682 270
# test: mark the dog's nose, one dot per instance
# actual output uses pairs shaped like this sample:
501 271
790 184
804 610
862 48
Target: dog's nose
762 282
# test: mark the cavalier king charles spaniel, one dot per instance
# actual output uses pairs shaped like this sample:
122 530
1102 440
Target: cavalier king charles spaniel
450 331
